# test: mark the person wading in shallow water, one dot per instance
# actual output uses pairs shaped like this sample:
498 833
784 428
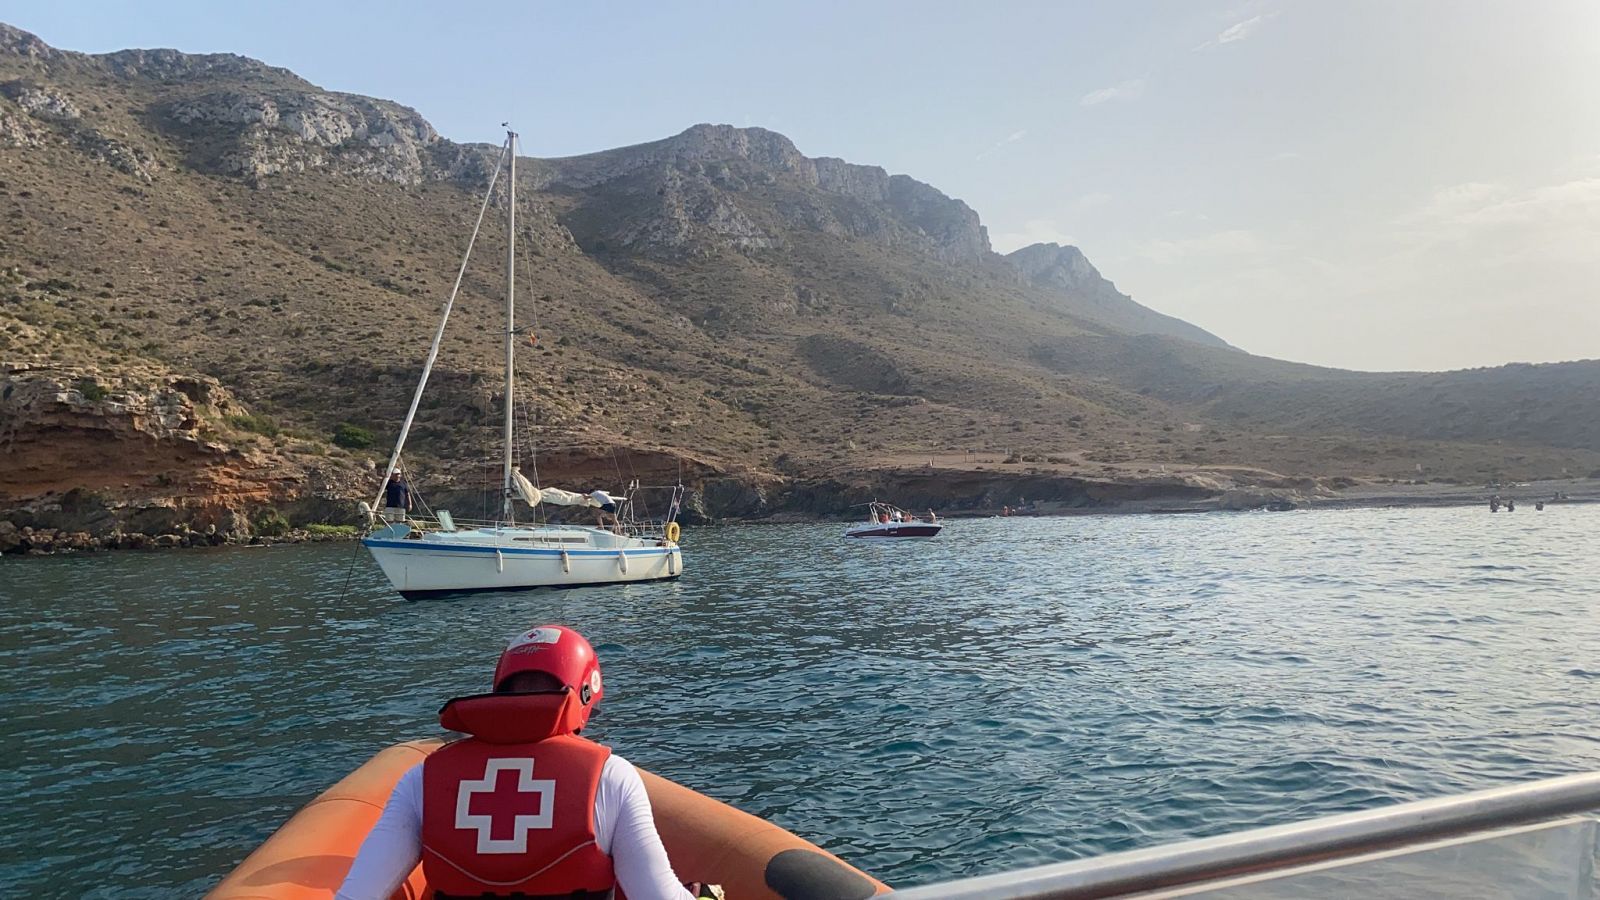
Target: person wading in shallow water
523 806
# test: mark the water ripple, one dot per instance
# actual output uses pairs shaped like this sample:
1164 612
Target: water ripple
1017 692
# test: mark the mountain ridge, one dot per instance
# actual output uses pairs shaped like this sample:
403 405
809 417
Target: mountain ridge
715 294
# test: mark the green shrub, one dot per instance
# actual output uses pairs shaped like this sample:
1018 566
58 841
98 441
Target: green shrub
255 424
321 528
91 390
352 437
272 524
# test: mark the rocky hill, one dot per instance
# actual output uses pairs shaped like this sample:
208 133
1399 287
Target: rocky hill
787 331
1068 273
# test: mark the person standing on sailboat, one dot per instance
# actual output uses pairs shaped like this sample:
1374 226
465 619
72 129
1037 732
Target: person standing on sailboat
522 806
396 498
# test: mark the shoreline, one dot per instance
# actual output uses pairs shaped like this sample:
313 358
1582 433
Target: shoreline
27 541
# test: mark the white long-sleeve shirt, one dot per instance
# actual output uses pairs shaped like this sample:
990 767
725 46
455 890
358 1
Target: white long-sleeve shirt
624 829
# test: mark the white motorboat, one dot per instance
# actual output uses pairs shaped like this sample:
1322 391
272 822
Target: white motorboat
431 554
887 521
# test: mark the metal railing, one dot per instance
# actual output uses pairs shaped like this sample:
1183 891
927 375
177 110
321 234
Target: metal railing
422 524
1282 847
629 521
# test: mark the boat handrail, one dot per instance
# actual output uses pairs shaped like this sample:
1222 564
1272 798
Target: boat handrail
1280 847
433 523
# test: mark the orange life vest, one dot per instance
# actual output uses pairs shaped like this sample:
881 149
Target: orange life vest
509 811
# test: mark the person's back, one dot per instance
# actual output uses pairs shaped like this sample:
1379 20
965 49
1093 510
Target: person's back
523 806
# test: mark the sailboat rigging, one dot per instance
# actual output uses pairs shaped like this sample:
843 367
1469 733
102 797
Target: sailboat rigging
439 554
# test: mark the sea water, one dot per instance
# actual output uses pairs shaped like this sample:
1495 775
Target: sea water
1014 692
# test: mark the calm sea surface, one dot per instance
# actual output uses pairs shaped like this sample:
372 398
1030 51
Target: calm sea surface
1016 692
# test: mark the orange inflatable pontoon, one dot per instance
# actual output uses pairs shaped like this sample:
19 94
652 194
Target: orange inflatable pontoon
706 839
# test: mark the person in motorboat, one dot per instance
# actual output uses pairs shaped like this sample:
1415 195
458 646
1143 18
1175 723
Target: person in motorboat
522 806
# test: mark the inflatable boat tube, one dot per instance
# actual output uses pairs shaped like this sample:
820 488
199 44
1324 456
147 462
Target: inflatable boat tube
707 840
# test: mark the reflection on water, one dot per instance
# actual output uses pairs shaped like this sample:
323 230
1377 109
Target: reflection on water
1015 692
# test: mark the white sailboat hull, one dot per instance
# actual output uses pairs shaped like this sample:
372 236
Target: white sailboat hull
420 567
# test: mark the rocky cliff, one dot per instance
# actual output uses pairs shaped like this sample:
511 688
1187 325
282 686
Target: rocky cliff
132 455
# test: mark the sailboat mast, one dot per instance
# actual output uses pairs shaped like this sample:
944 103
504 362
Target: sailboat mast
511 307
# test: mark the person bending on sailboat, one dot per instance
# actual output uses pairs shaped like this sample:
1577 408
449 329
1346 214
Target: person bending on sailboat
605 506
523 806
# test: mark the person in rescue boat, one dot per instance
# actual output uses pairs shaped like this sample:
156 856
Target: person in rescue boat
523 806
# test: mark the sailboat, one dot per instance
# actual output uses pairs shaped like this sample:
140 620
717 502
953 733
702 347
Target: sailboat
423 555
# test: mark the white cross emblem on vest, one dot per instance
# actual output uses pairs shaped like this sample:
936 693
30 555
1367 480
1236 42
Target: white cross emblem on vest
524 802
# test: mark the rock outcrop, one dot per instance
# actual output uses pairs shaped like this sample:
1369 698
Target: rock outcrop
56 117
1067 271
280 132
137 452
708 187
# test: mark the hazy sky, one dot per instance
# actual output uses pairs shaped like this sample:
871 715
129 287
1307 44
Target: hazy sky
1374 185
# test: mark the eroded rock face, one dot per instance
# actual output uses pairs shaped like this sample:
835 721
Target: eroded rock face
688 211
40 102
697 145
713 181
17 130
296 131
56 117
102 452
1053 265
710 188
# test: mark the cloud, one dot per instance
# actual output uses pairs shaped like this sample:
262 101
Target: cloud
1238 31
1009 139
1033 231
1127 90
1468 274
1232 242
1092 200
1481 222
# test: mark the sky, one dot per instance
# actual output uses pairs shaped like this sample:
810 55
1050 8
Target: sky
1355 183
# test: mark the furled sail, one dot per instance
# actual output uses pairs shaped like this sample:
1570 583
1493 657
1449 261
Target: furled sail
558 497
525 488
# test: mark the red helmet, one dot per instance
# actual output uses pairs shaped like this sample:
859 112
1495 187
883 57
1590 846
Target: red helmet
559 651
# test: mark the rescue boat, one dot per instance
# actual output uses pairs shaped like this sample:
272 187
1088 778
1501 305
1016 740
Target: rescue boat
707 840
